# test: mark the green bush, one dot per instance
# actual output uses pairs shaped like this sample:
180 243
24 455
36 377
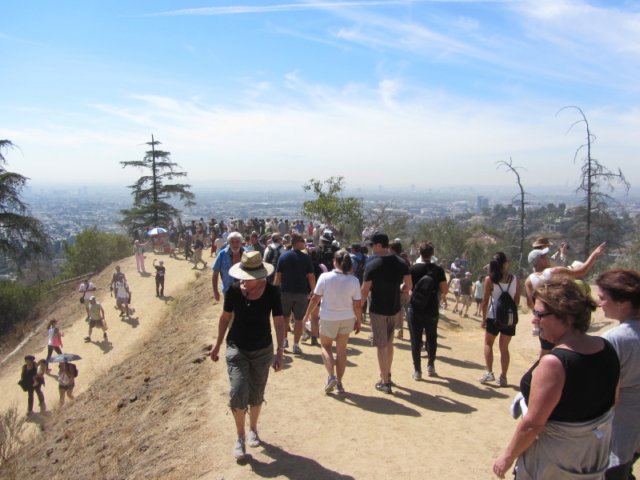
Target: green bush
93 251
17 302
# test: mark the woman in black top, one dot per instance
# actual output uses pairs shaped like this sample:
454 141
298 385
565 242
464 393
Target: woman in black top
569 393
30 383
251 303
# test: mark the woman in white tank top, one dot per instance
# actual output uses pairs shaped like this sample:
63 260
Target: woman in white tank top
499 280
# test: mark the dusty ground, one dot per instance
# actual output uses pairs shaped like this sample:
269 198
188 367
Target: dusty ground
153 406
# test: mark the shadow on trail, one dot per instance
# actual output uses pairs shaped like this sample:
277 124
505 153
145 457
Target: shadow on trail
377 404
290 466
435 403
105 345
39 418
144 274
132 321
167 298
468 389
460 363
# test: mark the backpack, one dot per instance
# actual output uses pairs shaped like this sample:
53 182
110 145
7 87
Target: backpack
275 254
424 294
505 308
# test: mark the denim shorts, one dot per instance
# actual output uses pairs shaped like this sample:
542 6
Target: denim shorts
248 373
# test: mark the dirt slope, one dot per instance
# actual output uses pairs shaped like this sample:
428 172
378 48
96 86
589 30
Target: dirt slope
162 413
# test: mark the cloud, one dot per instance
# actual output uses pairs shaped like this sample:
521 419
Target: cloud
389 133
284 7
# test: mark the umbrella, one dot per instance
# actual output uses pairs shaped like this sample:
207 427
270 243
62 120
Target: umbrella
65 357
157 231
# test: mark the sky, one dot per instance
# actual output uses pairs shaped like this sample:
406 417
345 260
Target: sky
393 93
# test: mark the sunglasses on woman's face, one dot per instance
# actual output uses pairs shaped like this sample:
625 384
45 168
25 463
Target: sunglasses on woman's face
540 315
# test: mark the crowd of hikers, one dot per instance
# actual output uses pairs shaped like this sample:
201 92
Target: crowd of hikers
579 403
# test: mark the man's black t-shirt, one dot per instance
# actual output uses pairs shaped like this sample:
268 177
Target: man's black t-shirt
419 270
251 327
465 286
386 274
160 270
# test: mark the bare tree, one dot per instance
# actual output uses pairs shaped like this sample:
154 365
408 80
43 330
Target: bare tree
510 167
593 176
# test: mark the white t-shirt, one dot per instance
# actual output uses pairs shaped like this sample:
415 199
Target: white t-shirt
338 291
121 290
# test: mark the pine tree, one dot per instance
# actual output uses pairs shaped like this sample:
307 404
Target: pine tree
151 193
19 232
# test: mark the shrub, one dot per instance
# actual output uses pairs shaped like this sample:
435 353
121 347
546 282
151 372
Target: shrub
17 302
93 251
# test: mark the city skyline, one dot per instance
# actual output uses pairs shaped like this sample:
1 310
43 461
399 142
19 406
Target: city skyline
391 93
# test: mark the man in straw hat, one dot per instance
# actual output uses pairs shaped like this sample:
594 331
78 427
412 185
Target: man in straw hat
250 350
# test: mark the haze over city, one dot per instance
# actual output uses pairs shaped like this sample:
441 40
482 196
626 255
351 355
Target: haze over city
387 93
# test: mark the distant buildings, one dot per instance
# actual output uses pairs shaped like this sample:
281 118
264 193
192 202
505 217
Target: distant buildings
483 203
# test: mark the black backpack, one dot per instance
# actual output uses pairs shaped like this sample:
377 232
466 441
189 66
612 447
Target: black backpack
505 308
424 294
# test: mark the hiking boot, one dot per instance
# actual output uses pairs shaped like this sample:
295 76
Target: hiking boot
87 339
417 375
239 449
104 336
340 388
502 381
314 342
296 349
431 371
254 439
487 377
332 381
285 344
384 387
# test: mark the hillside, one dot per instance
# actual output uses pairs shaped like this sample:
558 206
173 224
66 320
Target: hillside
155 407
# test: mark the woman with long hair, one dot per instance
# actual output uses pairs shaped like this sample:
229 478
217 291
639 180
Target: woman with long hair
569 393
338 293
619 297
498 281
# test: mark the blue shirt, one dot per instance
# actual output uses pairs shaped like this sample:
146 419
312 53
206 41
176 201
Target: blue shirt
294 267
222 265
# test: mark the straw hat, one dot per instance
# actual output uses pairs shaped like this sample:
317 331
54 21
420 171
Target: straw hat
541 242
251 267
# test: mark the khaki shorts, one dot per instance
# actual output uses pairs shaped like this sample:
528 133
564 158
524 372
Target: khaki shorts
466 300
382 327
333 328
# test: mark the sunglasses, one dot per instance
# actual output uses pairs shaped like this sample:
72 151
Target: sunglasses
540 315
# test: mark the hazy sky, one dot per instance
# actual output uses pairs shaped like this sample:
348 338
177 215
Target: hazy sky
382 92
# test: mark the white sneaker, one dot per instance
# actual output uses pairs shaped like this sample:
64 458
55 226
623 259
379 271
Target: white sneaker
239 449
431 371
417 375
254 439
332 381
487 377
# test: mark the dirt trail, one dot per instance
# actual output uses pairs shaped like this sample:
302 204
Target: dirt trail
164 414
99 356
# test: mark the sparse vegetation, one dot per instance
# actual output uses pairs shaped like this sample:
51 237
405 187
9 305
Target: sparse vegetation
11 426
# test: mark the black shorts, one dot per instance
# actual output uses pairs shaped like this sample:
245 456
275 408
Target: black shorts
494 329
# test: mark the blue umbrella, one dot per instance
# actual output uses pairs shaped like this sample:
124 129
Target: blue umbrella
65 357
156 231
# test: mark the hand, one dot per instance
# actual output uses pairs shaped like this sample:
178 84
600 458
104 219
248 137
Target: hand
216 295
483 324
600 249
278 361
501 465
356 327
215 353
